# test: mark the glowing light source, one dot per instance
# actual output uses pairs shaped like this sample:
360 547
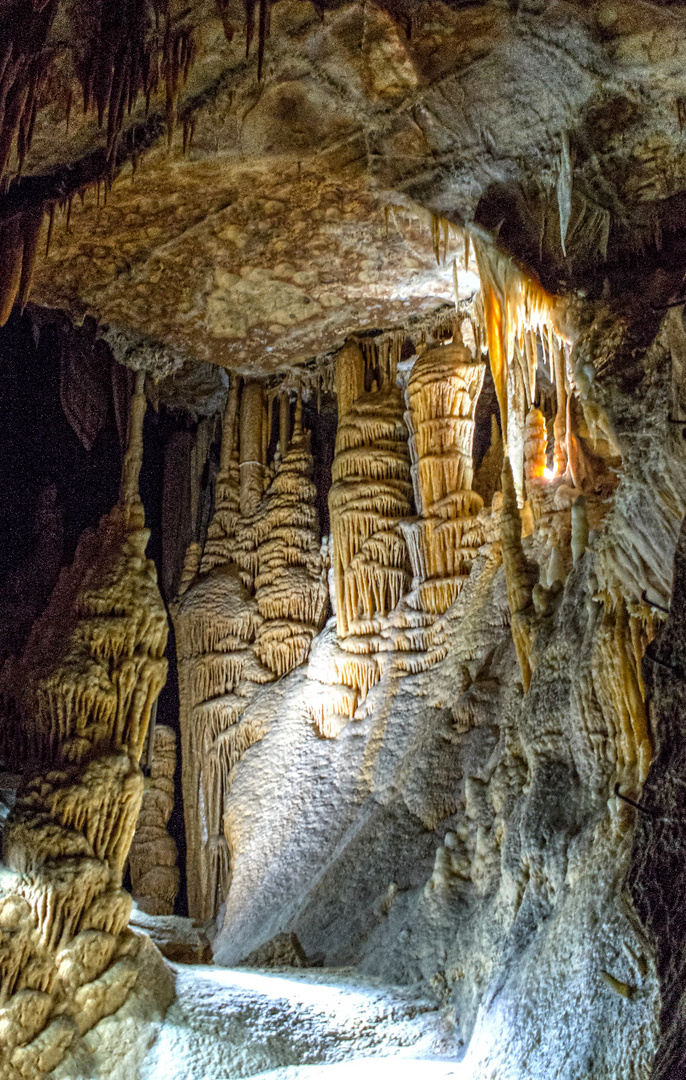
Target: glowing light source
550 474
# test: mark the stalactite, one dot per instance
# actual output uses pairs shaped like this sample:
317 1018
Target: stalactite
284 422
535 447
519 574
513 306
133 458
560 422
76 709
251 447
153 856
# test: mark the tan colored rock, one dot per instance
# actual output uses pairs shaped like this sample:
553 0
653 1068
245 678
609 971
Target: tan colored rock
153 855
78 704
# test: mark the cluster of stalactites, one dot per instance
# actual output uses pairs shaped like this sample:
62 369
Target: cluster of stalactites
76 711
371 493
122 54
520 330
441 395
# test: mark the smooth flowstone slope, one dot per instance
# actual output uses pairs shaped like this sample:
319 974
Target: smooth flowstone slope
248 1023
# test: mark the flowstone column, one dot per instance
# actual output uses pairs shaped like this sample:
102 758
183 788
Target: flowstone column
250 606
442 392
75 713
370 496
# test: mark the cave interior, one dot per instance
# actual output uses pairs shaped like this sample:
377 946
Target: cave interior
342 644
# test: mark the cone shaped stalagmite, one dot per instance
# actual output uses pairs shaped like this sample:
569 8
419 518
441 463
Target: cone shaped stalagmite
76 712
370 494
153 856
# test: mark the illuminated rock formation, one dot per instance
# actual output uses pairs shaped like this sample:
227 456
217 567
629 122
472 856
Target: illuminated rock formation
535 447
291 591
76 709
248 614
370 494
153 855
441 394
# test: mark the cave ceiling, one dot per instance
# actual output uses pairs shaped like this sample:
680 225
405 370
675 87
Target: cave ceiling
255 219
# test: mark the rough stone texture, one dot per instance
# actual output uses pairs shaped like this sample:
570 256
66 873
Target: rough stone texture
557 127
153 854
463 832
656 880
457 826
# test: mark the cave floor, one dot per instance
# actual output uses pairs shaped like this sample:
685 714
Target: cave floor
230 1023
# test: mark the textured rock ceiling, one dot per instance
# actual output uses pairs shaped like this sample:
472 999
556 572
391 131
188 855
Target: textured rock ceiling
260 236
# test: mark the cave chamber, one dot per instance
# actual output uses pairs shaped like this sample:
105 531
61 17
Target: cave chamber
343 615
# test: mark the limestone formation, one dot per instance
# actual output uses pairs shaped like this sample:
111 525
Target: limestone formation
441 746
442 393
370 494
153 855
535 447
249 609
76 708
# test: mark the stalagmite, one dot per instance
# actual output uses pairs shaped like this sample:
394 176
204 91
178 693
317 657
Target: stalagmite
76 709
579 528
441 394
153 855
487 476
257 600
370 494
290 587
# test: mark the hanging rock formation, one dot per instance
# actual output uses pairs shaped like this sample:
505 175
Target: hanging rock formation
76 709
442 392
370 494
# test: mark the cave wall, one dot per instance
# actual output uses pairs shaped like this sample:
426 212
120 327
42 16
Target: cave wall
463 829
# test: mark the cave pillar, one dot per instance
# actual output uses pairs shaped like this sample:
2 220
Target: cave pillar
252 420
442 393
284 422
